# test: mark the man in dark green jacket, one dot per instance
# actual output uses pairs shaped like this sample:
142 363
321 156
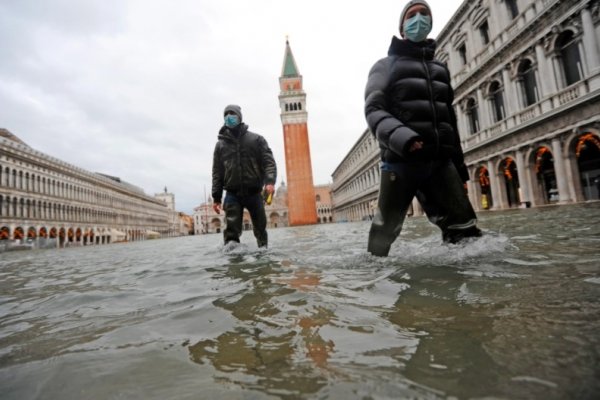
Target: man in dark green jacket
242 164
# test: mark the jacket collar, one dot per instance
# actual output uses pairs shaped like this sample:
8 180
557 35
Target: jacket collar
403 47
233 134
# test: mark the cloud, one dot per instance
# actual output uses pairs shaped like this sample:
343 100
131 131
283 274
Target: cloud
136 89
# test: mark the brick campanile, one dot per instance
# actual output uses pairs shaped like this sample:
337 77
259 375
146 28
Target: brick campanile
302 209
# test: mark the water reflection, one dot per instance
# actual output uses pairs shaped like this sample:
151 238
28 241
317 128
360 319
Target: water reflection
452 348
270 349
514 314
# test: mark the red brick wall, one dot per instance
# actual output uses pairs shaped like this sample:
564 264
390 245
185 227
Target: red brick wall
301 191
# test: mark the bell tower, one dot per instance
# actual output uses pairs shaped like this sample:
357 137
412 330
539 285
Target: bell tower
302 209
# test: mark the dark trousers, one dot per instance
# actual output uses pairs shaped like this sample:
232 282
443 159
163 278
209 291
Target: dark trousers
440 191
234 214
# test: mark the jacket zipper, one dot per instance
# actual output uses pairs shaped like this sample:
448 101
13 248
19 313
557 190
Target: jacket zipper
435 125
239 162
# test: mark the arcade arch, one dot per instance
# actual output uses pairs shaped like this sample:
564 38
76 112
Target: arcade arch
531 175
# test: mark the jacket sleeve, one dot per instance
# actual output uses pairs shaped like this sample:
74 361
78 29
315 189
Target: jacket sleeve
217 175
268 163
390 131
458 158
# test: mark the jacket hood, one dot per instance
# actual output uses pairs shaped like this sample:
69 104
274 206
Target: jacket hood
403 47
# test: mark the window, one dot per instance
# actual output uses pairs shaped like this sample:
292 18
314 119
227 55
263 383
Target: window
497 100
513 8
570 58
462 52
473 116
528 84
484 31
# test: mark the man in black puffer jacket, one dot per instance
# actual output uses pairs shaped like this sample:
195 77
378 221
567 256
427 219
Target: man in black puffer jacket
242 164
408 106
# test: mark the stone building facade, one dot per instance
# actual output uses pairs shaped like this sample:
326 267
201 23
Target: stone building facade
45 202
356 181
179 223
323 204
526 77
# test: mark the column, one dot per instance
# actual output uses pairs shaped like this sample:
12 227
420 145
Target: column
463 129
512 103
494 186
523 181
472 195
545 75
485 120
590 42
559 169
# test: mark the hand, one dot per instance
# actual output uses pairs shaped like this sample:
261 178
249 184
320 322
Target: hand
270 189
416 145
217 208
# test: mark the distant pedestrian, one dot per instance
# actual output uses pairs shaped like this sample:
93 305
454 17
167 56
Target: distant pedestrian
408 106
243 164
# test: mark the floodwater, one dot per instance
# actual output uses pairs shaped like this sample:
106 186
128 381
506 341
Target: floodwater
512 315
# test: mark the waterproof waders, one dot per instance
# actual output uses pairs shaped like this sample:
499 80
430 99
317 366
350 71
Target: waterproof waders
440 191
234 215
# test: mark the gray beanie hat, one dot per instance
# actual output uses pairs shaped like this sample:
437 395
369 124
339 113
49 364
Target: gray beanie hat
235 109
405 9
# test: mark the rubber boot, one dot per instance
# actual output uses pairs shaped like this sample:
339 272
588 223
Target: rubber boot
395 197
456 235
259 222
446 204
233 222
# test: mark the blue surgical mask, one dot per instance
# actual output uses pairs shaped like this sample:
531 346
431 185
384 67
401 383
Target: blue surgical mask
417 28
232 120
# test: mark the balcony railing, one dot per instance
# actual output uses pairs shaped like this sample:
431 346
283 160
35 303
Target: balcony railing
546 106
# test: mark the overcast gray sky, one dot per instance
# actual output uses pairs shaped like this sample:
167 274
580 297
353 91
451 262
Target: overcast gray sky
136 88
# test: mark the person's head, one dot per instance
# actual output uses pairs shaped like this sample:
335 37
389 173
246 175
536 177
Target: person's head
232 115
415 21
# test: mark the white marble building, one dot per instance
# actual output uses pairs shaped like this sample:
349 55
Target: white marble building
50 203
356 181
526 76
176 222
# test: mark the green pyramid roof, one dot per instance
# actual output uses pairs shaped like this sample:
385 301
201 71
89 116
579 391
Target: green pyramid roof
289 64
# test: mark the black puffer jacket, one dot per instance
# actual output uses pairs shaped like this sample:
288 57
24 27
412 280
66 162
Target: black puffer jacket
408 98
242 163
